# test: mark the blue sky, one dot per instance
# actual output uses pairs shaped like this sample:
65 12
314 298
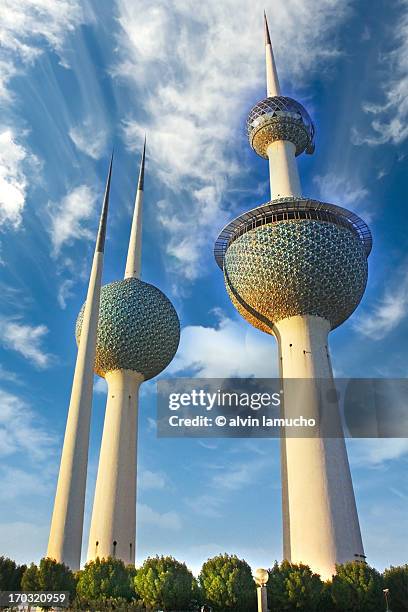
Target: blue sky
77 78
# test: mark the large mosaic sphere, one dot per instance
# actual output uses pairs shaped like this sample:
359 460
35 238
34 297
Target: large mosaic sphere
296 267
138 329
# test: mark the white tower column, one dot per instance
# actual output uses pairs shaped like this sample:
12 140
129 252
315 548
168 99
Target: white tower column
113 524
321 526
283 170
65 538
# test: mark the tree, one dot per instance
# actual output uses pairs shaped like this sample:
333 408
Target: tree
166 583
227 584
357 587
49 576
30 581
104 579
10 574
396 580
294 587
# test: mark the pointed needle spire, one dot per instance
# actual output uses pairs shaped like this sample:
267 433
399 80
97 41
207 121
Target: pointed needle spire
140 183
100 241
272 81
134 256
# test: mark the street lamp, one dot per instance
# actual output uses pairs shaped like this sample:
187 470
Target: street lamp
261 577
386 593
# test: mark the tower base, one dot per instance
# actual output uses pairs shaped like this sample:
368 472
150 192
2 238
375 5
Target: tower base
320 520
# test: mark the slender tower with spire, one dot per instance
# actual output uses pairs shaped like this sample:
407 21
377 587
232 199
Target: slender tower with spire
65 538
138 335
296 268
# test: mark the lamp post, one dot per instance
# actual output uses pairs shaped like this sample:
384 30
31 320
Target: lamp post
261 577
386 593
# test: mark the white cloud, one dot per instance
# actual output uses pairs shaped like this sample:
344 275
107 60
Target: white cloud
100 386
241 351
206 505
20 430
196 67
27 26
336 188
388 312
26 340
165 520
65 292
67 217
14 159
374 453
390 119
152 480
89 138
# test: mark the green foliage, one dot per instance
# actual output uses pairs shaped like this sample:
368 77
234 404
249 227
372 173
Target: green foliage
29 580
357 587
294 587
10 574
396 580
49 576
165 583
227 584
104 579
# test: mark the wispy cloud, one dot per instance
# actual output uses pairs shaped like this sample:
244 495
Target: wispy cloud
68 217
374 453
21 431
26 340
241 351
152 480
194 66
27 27
15 159
162 520
65 292
336 188
390 118
89 138
388 312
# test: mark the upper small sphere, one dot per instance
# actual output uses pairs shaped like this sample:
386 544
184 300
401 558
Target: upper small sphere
138 329
280 118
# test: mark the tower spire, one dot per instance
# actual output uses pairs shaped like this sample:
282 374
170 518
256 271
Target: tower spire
272 81
100 239
134 256
65 539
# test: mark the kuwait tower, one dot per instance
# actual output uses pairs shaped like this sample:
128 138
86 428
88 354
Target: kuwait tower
296 268
138 335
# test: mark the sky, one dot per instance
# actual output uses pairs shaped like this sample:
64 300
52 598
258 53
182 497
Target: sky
79 77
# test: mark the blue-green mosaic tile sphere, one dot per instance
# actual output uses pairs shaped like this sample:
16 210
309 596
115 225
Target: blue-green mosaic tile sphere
138 329
296 267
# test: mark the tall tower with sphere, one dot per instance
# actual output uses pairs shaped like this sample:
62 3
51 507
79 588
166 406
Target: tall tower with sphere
138 335
296 268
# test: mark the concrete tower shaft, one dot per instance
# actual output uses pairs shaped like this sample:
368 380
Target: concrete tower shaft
138 335
65 538
297 268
